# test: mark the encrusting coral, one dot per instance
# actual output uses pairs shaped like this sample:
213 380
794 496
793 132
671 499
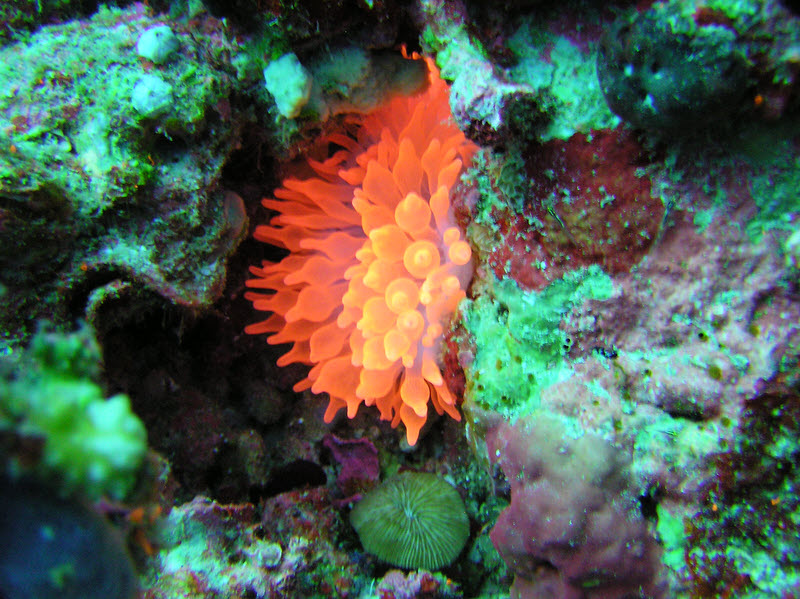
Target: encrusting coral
377 264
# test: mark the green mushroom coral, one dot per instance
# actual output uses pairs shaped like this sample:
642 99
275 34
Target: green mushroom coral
414 520
90 444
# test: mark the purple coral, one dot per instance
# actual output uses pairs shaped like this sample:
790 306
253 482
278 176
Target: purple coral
571 531
358 464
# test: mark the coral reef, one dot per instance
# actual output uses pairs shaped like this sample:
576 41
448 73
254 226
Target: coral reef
649 80
289 549
111 163
485 103
197 559
743 537
679 66
416 585
610 190
593 207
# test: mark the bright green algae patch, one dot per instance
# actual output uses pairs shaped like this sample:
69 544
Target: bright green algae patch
521 348
89 443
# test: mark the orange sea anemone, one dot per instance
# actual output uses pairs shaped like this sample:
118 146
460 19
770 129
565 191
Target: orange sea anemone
376 264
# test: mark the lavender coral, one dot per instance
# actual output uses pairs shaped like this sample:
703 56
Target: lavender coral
570 531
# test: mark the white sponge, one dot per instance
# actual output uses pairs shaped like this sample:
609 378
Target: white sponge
289 83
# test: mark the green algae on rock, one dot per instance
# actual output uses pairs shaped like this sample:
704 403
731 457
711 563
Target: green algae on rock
520 347
90 444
